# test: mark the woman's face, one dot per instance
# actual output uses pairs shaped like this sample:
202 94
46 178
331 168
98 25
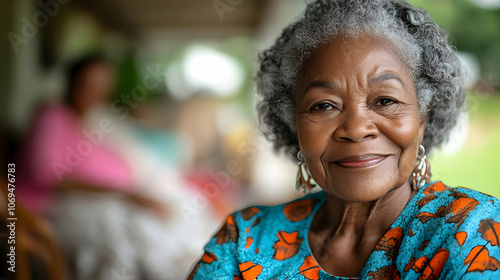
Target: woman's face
357 116
94 86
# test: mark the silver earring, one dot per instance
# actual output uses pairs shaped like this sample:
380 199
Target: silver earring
303 183
421 174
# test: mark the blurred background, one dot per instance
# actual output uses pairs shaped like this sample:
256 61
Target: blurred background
163 93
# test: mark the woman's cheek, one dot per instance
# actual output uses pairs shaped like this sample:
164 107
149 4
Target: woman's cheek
314 139
406 135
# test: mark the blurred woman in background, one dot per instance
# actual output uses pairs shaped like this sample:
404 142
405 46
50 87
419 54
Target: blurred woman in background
61 155
107 225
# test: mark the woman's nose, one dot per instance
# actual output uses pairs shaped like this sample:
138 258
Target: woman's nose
355 125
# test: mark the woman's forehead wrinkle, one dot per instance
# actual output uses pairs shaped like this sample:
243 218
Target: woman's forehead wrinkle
386 77
321 84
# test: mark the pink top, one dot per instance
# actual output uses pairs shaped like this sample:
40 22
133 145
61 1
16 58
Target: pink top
58 147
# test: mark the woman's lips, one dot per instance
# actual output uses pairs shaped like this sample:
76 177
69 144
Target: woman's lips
360 161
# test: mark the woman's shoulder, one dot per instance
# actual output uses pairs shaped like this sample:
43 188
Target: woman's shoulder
53 108
52 114
457 200
461 207
264 224
458 224
258 238
290 212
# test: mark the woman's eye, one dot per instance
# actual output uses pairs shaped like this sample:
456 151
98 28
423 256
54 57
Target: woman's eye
322 107
385 101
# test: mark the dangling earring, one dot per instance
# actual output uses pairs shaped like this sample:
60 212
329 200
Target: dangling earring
303 183
421 173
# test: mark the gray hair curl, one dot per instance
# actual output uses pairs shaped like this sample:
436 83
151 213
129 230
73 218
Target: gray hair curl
422 45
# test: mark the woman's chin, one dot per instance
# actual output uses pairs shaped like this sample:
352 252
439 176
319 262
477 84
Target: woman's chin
362 184
362 189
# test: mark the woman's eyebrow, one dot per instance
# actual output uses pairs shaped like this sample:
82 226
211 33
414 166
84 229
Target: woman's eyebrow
387 76
320 84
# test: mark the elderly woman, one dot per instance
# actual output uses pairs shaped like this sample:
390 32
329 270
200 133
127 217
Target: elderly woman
356 90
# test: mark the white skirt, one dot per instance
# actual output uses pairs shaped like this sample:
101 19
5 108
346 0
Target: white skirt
105 237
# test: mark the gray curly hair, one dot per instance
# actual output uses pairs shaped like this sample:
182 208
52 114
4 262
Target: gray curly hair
421 44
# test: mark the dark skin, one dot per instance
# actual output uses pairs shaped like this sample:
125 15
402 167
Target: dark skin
359 129
93 85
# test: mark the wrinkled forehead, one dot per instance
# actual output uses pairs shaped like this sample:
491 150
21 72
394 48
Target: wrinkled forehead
365 41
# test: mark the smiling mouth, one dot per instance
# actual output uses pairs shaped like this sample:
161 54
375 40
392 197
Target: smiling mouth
360 161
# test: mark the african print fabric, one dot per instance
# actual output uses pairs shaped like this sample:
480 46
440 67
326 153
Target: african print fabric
443 233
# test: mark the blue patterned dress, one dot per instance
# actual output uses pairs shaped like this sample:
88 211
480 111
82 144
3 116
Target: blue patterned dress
443 233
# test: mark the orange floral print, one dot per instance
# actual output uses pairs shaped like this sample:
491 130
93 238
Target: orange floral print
310 269
479 259
298 210
250 270
287 246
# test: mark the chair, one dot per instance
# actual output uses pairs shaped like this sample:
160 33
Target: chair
34 239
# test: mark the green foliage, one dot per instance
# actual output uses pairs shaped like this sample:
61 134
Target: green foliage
476 165
473 29
128 76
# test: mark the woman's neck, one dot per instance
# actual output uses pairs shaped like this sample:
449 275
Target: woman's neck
350 230
350 218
